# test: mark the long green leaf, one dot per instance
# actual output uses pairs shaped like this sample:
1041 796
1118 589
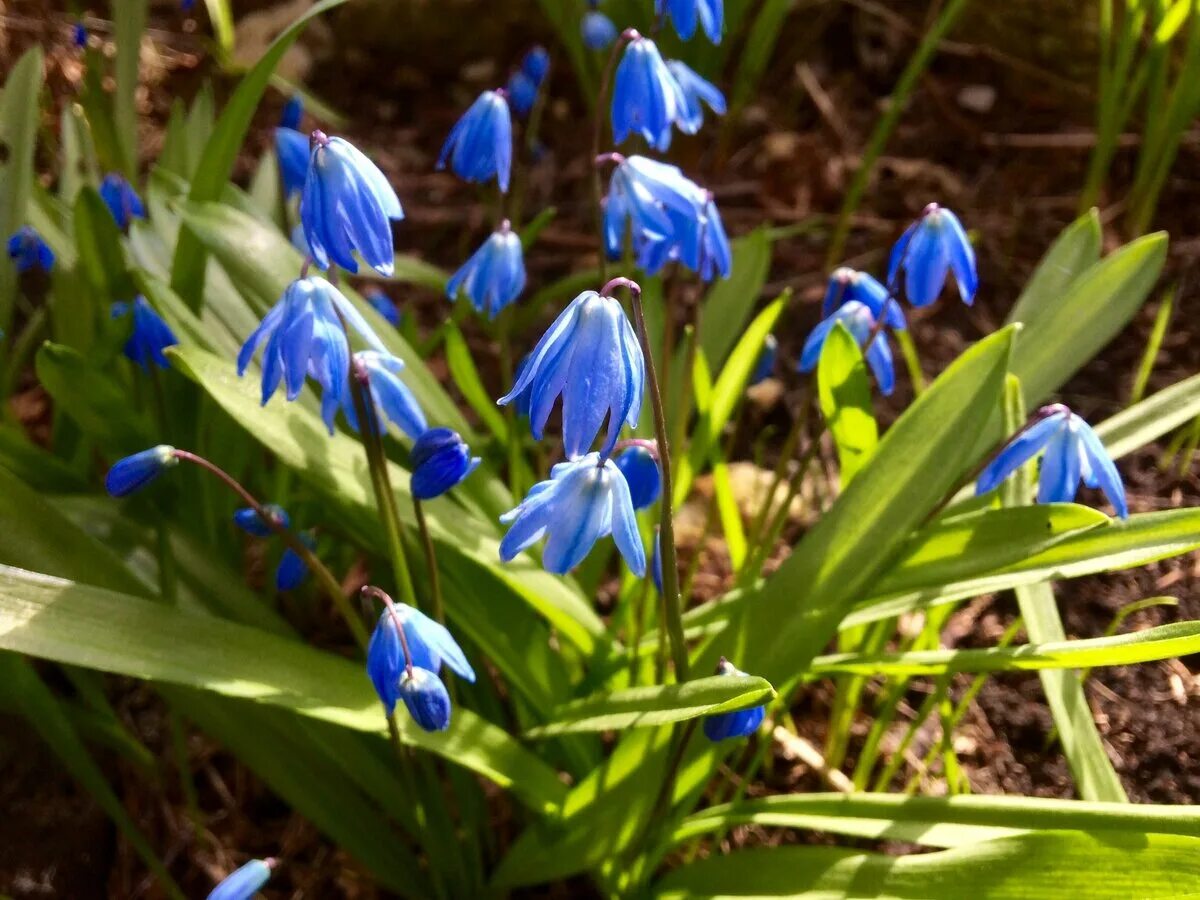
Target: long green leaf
730 301
1146 421
1073 252
844 391
129 19
18 132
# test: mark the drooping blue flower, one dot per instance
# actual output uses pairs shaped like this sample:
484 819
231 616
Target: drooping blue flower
480 144
646 99
135 472
1073 453
440 459
590 357
79 35
858 320
584 500
598 30
659 205
347 205
248 519
292 569
150 335
494 276
765 364
391 398
694 94
121 199
929 249
846 284
685 14
520 400
304 336
28 251
245 882
742 723
425 698
640 469
291 150
429 643
292 113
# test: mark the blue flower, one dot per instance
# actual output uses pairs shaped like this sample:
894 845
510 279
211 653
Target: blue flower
291 149
685 14
121 199
931 247
598 30
584 500
858 320
429 644
79 35
382 304
304 335
347 205
640 469
846 284
520 399
1073 453
536 64
391 397
440 459
28 251
293 112
245 882
135 472
252 523
694 91
494 276
742 723
480 144
522 92
590 357
292 569
646 99
765 364
150 335
426 699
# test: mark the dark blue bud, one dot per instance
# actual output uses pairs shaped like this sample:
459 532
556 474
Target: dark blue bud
598 30
536 64
150 335
383 305
291 150
121 199
187 5
79 35
640 469
522 93
766 361
742 723
293 112
135 472
292 568
251 522
28 251
426 699
244 883
440 460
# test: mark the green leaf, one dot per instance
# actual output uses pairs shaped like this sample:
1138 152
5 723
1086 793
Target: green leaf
729 302
466 376
642 707
98 243
221 17
1073 252
129 21
1146 421
754 57
19 108
844 390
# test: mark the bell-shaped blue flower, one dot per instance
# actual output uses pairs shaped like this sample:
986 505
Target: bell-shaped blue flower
494 276
694 94
245 882
304 336
135 472
292 113
429 645
598 30
150 335
440 459
1073 453
686 14
590 357
846 284
121 199
382 304
292 569
392 399
583 500
765 364
646 99
347 205
480 144
742 723
28 251
858 320
656 202
640 469
248 519
425 698
291 150
929 249
79 35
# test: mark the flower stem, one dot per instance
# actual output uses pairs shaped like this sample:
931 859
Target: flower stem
435 582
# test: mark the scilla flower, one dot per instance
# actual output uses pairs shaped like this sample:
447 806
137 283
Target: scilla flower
382 304
480 144
694 91
244 883
598 30
590 357
640 469
347 205
742 723
685 14
929 249
391 397
429 645
846 285
584 500
292 569
252 523
494 276
28 251
1073 453
121 199
657 203
703 244
293 112
440 459
425 698
646 99
150 335
291 150
858 320
525 82
765 364
135 472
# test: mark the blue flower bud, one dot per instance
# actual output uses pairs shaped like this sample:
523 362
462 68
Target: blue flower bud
536 64
135 472
522 93
291 150
245 882
494 276
151 335
252 523
429 642
293 112
122 200
426 699
28 251
383 305
640 469
79 35
742 723
480 144
686 14
440 460
930 248
598 30
766 361
292 569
